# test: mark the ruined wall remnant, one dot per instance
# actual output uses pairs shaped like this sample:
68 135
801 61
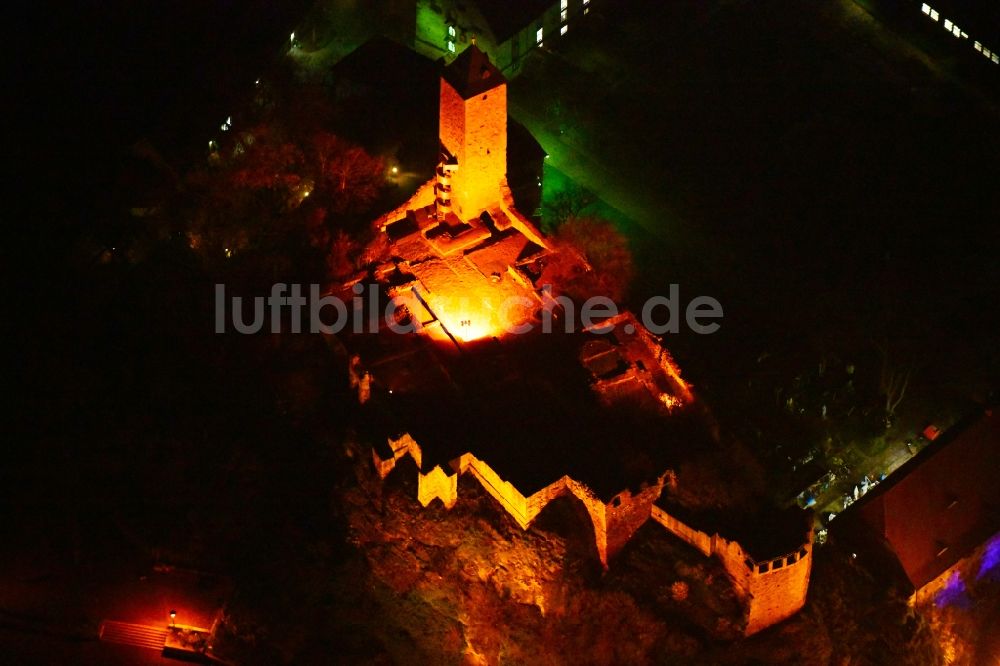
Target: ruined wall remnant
437 484
626 513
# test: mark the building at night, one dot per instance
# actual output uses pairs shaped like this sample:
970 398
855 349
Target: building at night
599 413
972 25
507 30
936 513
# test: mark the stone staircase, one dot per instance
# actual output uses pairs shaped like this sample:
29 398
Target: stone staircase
137 635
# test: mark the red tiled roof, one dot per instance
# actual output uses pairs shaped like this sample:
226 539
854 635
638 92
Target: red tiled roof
943 503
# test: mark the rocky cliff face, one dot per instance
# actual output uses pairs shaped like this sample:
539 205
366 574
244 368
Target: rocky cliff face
470 583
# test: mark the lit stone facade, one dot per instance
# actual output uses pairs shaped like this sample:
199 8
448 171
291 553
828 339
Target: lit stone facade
473 117
459 247
773 589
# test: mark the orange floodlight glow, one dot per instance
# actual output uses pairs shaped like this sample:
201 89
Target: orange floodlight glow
483 313
468 319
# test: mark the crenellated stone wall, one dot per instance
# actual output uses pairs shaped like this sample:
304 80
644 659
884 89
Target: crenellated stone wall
422 198
775 589
780 591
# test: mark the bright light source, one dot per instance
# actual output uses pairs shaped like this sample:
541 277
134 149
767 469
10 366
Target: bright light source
948 24
925 8
935 14
395 170
539 35
292 38
564 15
563 30
563 4
452 32
978 47
451 46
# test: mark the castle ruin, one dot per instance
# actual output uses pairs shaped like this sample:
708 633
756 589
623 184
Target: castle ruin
600 416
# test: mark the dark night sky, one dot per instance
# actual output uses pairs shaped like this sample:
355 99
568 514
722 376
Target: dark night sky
99 76
93 77
89 80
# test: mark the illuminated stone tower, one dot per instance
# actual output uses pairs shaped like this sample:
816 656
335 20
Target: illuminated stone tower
473 166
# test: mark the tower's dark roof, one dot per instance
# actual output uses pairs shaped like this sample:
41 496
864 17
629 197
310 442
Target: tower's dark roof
472 73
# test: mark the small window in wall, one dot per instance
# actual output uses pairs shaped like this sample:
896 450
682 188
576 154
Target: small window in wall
955 31
539 36
995 58
586 6
926 9
564 15
978 47
451 46
563 30
934 15
564 4
948 24
452 32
